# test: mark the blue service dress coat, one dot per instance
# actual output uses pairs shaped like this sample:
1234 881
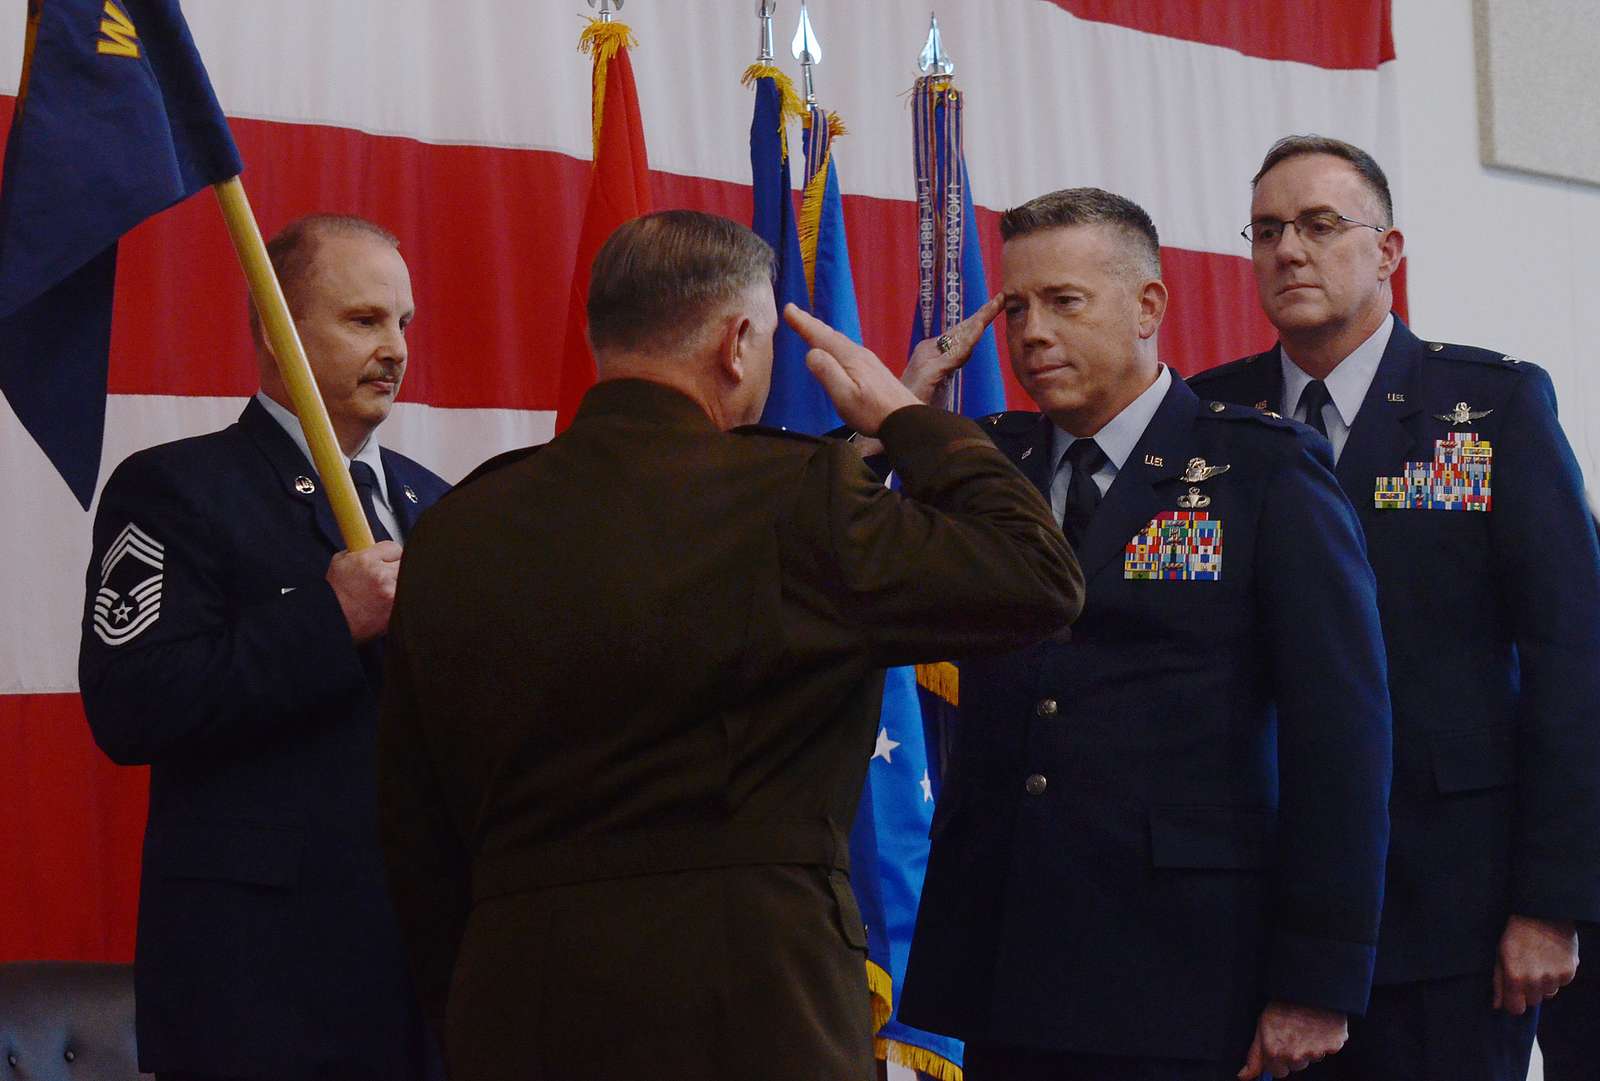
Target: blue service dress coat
1492 621
1156 823
214 650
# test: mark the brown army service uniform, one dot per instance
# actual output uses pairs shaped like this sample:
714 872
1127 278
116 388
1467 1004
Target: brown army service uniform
634 682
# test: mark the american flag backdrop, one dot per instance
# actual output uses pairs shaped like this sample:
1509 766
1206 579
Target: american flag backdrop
465 128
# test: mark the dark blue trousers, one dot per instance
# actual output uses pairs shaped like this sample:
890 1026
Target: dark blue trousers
991 1062
1434 1030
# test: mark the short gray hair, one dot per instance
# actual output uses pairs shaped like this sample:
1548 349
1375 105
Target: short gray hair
1089 206
1298 146
660 277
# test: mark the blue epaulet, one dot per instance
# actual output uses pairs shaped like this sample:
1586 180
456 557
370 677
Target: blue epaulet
1010 422
1472 354
1228 411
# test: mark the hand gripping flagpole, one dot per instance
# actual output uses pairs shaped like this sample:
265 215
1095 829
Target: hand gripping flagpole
284 343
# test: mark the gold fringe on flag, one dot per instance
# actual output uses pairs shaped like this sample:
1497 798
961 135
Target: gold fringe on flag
942 679
601 41
793 103
881 986
810 224
916 1058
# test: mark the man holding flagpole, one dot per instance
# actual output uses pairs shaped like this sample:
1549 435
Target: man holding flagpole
232 646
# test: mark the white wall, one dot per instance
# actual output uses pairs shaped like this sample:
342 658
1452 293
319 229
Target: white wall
1497 258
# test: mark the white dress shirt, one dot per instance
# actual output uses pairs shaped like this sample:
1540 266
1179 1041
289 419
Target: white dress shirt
368 453
1347 385
1116 441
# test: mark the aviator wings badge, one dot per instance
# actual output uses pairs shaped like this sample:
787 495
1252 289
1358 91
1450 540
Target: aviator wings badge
1197 470
1463 414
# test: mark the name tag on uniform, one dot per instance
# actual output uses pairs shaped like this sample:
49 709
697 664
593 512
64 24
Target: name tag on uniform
1458 478
1175 546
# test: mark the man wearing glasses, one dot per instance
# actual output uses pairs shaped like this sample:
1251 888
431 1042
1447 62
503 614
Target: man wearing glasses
1489 590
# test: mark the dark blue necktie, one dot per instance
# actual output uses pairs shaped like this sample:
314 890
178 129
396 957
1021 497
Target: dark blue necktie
1083 494
1312 399
366 482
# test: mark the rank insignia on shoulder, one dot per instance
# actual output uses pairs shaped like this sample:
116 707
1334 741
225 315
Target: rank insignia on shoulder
1197 470
1175 546
129 598
1458 478
1027 453
409 494
1463 414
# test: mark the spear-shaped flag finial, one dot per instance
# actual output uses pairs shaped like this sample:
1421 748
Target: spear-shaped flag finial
606 8
807 50
934 60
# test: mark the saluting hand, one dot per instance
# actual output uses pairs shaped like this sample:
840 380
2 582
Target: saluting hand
1537 958
1289 1038
863 390
364 582
929 366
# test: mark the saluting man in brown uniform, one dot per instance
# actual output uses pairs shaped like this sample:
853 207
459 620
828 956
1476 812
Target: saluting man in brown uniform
634 677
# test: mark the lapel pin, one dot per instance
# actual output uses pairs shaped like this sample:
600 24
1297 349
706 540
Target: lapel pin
304 485
409 493
1197 470
1463 414
1194 500
1155 460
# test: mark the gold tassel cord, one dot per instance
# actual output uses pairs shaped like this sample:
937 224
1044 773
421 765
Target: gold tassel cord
881 987
601 41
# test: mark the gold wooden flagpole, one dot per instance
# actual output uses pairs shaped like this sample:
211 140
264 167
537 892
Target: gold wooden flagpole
278 326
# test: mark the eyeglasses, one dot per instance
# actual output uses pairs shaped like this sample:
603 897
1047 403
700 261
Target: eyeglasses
1314 227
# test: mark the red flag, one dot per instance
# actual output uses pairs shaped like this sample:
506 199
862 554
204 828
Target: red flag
619 191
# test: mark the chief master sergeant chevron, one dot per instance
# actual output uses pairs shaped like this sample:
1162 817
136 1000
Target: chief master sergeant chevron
227 645
1158 855
1489 589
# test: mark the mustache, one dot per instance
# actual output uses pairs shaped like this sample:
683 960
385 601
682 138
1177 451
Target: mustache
389 372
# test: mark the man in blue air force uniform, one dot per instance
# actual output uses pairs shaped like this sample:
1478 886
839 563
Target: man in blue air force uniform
1489 589
1159 849
231 645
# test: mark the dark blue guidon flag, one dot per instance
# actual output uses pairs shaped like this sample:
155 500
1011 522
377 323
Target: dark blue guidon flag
115 120
795 398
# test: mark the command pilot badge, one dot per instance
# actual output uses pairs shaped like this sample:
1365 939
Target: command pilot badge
1197 470
129 598
1463 414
